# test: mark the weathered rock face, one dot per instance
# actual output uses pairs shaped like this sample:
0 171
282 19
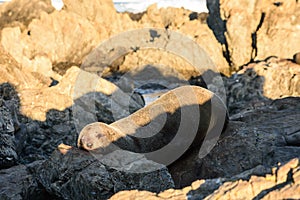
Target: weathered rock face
279 29
179 20
56 41
282 183
12 72
259 82
253 30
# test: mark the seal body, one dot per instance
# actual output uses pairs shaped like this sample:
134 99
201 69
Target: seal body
176 121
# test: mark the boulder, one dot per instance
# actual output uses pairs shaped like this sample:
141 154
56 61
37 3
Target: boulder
82 175
83 91
280 77
178 20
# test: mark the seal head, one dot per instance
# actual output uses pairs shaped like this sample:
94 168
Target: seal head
96 135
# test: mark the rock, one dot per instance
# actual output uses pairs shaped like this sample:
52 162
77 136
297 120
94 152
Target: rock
89 92
254 187
252 30
91 10
178 20
251 87
13 73
261 139
103 15
279 29
263 187
135 194
82 175
21 13
8 154
18 183
280 77
54 39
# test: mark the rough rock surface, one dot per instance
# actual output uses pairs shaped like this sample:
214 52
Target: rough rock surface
281 183
18 183
57 30
82 175
256 137
8 154
254 30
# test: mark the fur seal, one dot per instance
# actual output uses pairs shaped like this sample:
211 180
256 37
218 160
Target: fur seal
179 119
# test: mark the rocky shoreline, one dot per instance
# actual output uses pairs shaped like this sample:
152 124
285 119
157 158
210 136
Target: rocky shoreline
43 52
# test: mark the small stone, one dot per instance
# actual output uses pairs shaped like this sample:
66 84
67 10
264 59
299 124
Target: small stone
296 58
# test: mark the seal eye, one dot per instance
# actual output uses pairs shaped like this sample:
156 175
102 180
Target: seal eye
89 145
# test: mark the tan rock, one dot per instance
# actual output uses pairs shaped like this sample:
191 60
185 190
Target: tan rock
206 40
256 29
60 37
280 30
256 185
22 12
134 194
12 72
103 15
281 78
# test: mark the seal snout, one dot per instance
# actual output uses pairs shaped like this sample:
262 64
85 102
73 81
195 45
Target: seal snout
85 143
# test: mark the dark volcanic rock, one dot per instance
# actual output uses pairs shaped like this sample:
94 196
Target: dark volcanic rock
263 136
18 183
8 154
82 175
